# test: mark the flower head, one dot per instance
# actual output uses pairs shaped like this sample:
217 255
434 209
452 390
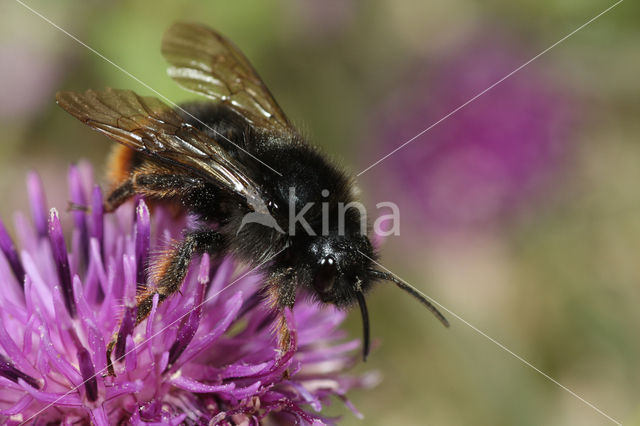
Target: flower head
205 356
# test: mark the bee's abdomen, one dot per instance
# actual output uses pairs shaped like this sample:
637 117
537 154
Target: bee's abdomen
121 163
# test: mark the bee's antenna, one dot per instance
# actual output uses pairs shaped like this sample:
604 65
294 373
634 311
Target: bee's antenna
365 325
412 291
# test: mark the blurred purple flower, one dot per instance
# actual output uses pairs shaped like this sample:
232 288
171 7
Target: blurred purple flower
483 162
206 356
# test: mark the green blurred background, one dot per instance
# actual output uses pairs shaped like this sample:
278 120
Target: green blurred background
551 271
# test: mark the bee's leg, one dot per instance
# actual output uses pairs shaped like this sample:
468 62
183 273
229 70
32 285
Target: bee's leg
164 185
286 297
151 185
119 195
170 270
169 273
284 334
281 290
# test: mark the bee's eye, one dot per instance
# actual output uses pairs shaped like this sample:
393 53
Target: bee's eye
326 274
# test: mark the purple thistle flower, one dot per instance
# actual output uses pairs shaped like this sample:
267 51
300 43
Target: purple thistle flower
205 356
489 159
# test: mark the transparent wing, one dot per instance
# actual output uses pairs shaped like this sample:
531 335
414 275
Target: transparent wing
151 127
205 62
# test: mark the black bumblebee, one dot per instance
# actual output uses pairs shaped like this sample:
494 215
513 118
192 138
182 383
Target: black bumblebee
227 161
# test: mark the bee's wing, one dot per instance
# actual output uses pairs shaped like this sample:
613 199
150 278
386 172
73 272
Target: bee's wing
205 62
147 125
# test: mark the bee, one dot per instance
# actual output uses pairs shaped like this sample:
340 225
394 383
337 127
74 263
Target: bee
234 162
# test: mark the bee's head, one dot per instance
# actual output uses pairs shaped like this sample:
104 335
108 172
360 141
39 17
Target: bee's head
337 271
339 267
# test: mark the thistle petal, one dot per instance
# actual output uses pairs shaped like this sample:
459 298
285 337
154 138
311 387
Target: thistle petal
61 259
10 252
9 371
143 232
79 202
